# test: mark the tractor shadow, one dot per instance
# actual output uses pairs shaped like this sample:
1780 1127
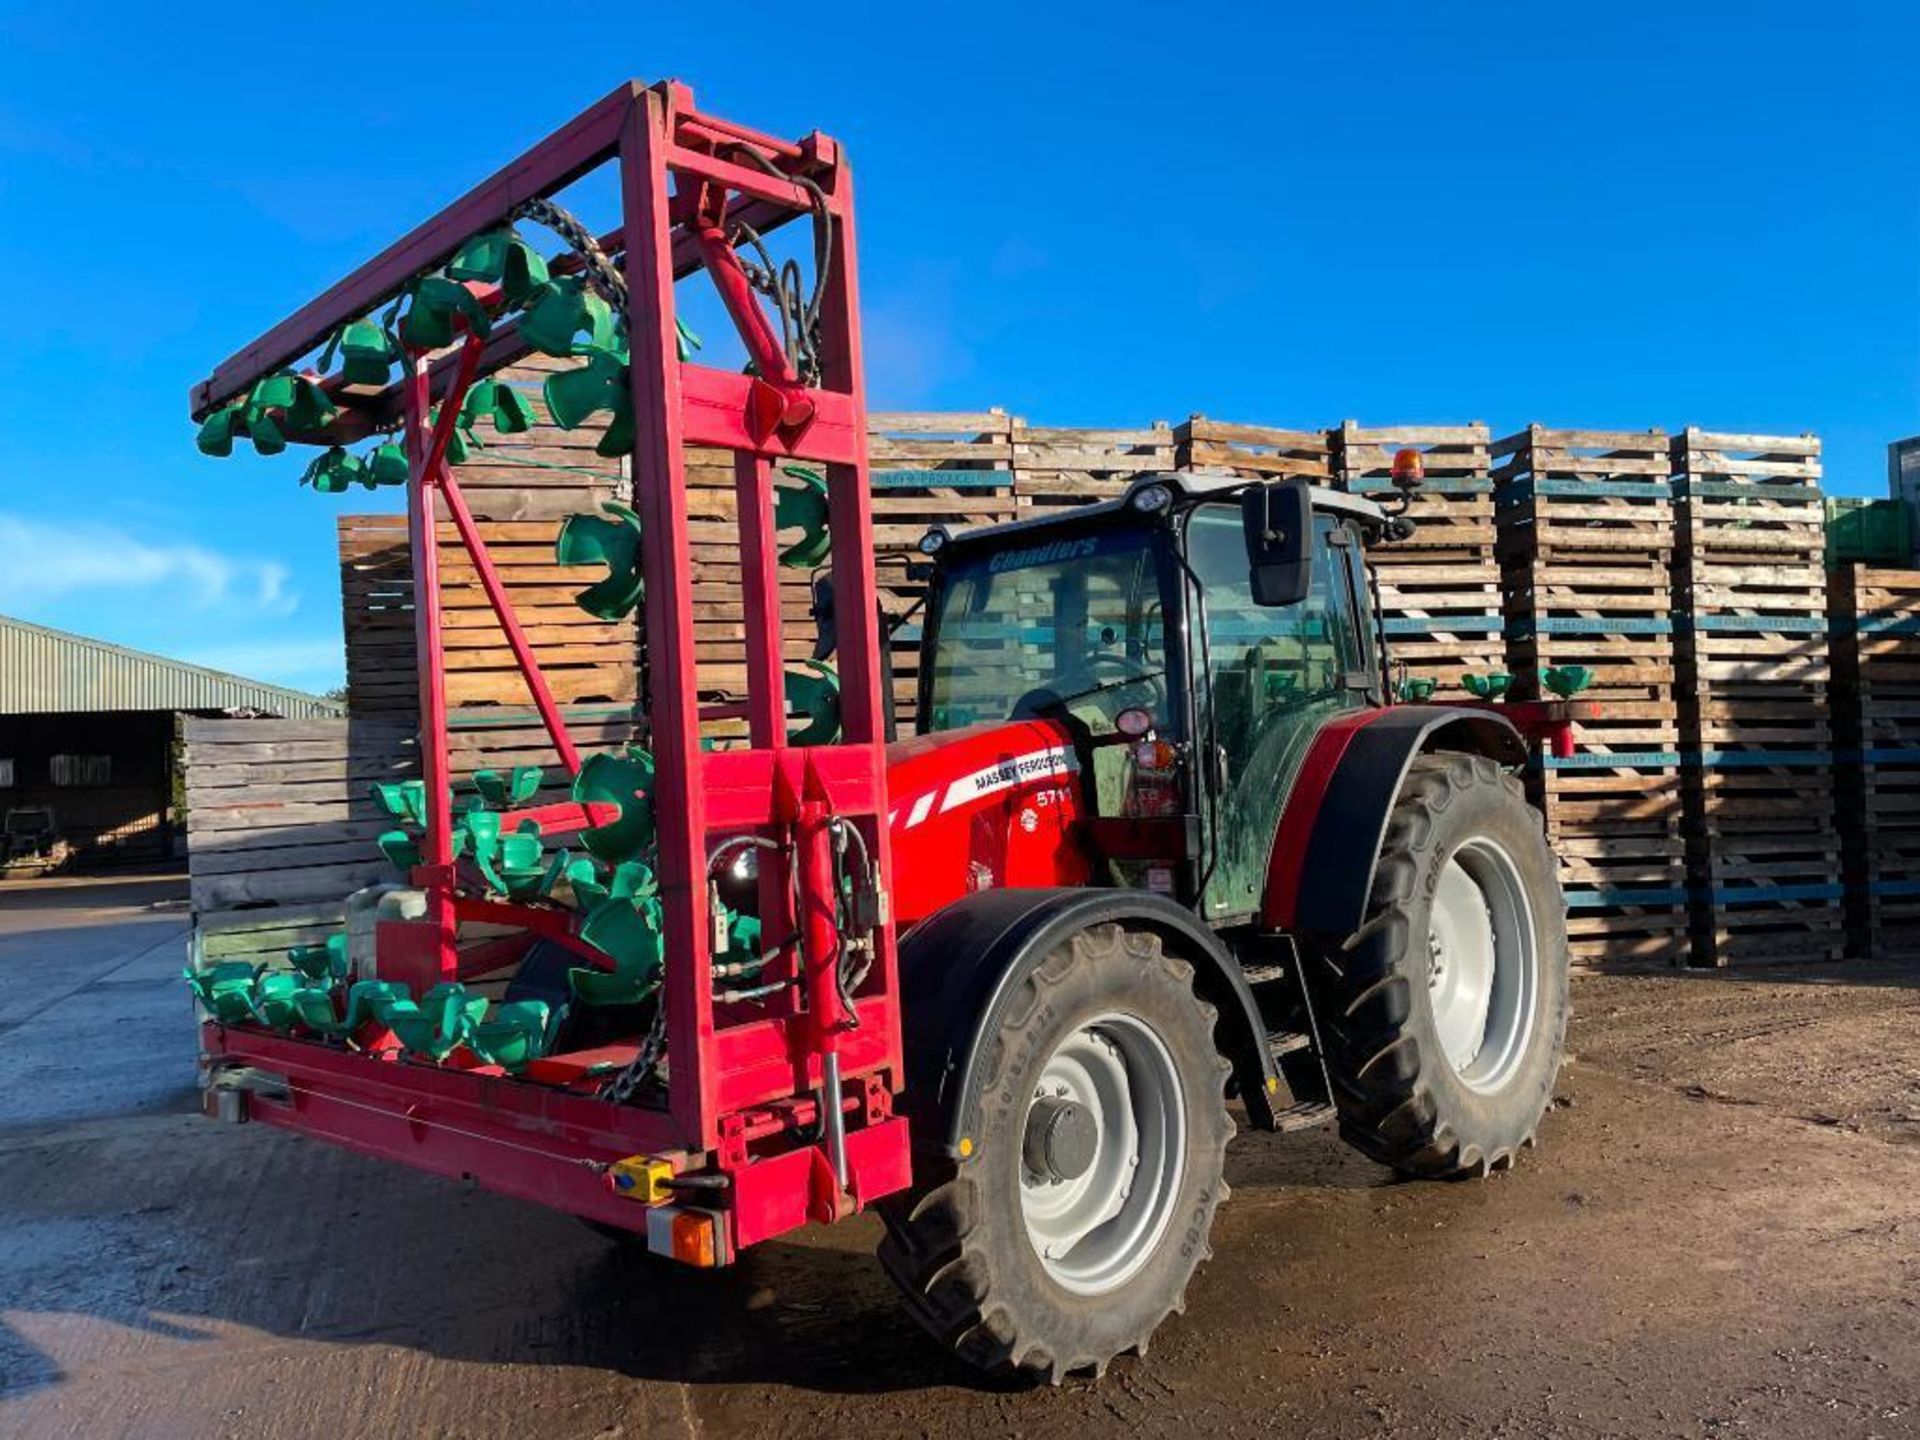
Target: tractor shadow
480 1284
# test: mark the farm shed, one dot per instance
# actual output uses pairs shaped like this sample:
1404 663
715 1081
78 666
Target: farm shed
86 744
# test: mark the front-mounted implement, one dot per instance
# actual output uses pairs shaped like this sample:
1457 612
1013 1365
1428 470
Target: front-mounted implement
693 1072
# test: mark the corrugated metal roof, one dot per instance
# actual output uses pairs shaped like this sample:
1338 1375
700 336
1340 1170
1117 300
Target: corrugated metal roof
46 672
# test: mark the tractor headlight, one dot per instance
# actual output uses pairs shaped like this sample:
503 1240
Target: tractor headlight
1151 499
933 542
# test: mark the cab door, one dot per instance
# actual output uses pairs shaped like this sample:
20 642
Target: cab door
1267 678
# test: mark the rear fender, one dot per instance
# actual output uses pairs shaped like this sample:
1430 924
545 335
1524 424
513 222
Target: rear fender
1335 817
960 967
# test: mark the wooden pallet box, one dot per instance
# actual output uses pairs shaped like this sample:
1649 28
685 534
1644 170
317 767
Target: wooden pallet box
1754 670
1874 617
1061 466
1262 452
1613 820
1439 589
930 468
1586 539
281 827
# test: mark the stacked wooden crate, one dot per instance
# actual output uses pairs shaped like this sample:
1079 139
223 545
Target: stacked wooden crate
1058 466
587 661
281 826
719 599
282 822
1256 451
942 468
1874 613
1586 534
1753 675
1439 590
376 599
519 488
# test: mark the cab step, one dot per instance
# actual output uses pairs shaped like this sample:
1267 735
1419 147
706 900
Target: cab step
1282 1043
1307 1115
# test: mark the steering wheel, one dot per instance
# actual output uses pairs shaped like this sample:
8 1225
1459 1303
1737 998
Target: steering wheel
1070 687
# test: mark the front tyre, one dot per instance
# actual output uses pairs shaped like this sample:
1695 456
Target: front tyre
1444 1014
1096 1137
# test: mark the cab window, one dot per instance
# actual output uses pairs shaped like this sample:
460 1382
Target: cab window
1075 624
1274 673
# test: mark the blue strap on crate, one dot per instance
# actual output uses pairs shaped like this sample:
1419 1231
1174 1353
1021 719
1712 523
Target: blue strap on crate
1891 755
1616 760
1582 625
1440 624
1786 488
1697 760
1794 624
1761 759
1441 485
1606 896
1589 489
1769 894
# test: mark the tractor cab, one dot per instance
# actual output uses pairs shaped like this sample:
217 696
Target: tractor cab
1190 637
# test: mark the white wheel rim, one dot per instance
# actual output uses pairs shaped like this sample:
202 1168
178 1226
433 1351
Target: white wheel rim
1094 1230
1483 975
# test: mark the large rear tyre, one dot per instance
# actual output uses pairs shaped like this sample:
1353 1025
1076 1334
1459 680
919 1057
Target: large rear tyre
1443 1016
1096 1144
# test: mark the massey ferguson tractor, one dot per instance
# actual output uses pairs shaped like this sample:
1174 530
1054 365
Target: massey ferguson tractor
1161 859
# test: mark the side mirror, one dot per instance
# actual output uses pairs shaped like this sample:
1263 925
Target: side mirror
1278 522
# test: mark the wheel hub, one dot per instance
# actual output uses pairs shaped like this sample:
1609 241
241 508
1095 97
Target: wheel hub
1061 1139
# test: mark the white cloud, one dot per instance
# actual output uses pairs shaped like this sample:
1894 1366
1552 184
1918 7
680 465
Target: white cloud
40 562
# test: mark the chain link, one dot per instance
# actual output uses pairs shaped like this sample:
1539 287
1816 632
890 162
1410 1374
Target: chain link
621 1087
564 223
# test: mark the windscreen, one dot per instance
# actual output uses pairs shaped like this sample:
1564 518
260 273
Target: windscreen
1074 623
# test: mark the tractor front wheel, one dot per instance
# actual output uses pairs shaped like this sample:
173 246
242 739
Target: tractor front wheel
1443 1015
1093 1150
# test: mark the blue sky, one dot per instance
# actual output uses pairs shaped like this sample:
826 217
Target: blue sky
1621 215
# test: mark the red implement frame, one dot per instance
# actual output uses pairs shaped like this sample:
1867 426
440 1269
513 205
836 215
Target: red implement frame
754 1090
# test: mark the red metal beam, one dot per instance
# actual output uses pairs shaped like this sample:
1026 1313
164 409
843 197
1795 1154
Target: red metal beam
523 656
551 165
660 497
435 872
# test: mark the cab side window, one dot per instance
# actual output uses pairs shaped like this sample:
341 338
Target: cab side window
1265 661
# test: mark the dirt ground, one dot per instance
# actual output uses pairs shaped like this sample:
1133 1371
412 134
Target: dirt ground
1716 1237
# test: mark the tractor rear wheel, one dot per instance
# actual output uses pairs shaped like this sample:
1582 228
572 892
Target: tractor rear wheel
1443 1015
1093 1155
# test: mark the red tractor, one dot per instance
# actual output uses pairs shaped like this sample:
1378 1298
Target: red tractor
1161 848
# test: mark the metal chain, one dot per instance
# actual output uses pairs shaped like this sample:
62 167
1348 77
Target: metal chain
621 1087
613 285
564 223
